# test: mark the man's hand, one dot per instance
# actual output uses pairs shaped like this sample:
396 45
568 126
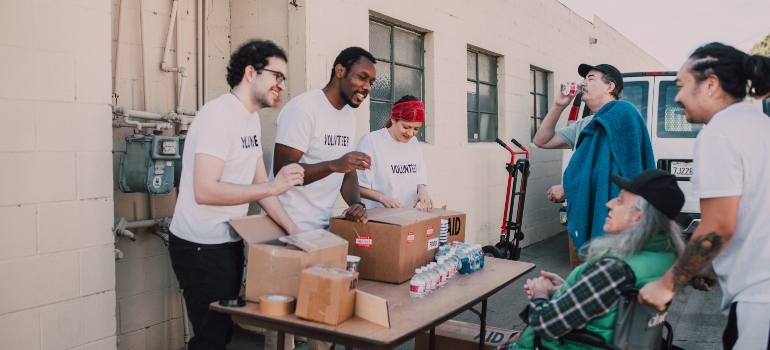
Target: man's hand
290 175
388 202
351 161
554 278
656 294
556 194
426 203
563 100
539 288
355 213
705 280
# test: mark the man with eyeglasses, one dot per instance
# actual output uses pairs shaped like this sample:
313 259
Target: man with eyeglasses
223 171
613 141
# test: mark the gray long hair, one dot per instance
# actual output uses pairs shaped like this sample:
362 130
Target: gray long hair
630 241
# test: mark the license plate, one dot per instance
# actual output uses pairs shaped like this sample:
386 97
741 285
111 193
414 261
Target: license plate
682 169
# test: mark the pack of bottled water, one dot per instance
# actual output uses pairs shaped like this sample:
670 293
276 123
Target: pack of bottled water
453 258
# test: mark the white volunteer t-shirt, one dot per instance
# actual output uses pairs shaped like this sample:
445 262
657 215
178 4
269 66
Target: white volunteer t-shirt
397 167
732 158
225 129
309 123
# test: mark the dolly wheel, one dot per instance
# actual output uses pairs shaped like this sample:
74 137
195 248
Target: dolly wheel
492 251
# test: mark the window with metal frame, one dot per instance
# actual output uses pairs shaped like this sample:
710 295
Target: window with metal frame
400 69
481 97
538 102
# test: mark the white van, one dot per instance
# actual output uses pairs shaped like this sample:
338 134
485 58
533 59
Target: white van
673 138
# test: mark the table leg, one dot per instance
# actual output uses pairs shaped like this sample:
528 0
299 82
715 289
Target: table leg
432 339
483 330
281 340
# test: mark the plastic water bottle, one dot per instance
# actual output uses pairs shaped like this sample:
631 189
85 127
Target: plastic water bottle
453 264
443 269
471 259
465 267
434 276
434 266
476 257
428 283
481 254
417 285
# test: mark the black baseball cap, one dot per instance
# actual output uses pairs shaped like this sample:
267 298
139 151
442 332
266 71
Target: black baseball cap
657 187
607 69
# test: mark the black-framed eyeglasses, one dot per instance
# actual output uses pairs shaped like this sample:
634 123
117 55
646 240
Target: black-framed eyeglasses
278 75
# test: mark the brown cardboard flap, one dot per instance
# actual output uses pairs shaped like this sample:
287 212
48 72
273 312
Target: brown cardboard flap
456 335
256 229
444 212
312 240
372 308
397 216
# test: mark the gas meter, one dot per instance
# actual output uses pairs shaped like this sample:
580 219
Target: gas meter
148 164
178 162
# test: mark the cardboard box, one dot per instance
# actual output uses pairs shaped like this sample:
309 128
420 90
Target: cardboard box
275 267
326 294
456 335
392 244
456 223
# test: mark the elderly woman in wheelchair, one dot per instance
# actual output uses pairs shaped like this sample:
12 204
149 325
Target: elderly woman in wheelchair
642 242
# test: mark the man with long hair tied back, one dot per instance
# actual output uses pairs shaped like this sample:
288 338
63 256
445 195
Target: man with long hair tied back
731 173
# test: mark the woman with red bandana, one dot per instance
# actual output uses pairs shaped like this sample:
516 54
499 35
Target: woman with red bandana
397 177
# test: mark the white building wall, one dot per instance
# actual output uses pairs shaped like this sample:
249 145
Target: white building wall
56 257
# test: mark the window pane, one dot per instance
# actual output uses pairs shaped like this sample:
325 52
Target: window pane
487 98
473 126
487 127
532 81
533 128
487 68
472 95
532 111
471 65
408 82
540 79
379 40
379 112
544 82
408 47
542 106
671 120
382 86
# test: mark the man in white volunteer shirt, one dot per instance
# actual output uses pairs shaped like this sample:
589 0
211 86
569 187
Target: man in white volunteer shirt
732 168
223 172
317 130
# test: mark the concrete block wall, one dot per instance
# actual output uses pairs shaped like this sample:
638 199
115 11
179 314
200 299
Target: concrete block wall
57 260
470 177
148 303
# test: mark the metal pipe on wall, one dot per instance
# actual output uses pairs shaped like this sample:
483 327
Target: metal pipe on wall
145 73
199 52
117 44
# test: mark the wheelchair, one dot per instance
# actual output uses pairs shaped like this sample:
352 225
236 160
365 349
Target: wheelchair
637 327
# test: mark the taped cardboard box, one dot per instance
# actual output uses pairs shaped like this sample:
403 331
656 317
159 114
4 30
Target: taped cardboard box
392 244
456 335
326 294
275 267
455 221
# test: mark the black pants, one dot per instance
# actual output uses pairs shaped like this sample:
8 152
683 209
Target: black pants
207 273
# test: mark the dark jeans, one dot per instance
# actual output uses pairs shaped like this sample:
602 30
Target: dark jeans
207 273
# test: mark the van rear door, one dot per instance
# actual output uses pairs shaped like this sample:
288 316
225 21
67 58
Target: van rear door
673 140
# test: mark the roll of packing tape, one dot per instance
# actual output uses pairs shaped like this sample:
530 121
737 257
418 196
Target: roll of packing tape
276 305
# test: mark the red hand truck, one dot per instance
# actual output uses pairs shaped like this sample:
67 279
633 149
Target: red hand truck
510 231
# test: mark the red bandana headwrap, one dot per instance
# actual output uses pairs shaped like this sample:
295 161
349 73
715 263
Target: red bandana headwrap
409 111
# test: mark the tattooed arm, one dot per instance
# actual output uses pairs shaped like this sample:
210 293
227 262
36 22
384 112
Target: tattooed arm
718 218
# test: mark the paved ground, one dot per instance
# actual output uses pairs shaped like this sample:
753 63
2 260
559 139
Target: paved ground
695 315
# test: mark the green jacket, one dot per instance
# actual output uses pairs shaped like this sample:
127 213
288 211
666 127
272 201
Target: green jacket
648 265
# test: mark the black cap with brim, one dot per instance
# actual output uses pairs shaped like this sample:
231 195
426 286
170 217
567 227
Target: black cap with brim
607 69
656 186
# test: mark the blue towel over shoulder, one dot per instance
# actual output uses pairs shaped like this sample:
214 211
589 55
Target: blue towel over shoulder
616 141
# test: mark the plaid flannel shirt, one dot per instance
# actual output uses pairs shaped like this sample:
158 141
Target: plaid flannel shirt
592 296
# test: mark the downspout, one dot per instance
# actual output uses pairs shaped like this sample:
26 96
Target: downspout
199 51
117 44
205 54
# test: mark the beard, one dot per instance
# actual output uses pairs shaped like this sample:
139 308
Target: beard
262 98
348 99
